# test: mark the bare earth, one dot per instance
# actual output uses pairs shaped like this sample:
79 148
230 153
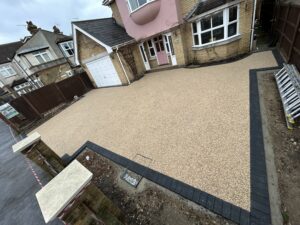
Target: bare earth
193 123
286 144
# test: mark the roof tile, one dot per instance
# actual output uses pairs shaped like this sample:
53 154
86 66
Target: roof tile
105 30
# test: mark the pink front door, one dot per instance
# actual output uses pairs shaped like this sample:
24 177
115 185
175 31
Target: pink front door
162 57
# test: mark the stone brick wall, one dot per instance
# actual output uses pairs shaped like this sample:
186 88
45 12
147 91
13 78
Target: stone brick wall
116 14
119 68
129 58
140 68
179 45
225 51
54 74
89 49
186 6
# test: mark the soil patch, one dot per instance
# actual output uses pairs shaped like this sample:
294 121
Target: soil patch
286 145
149 204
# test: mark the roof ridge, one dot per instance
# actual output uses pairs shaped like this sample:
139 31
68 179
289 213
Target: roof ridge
11 43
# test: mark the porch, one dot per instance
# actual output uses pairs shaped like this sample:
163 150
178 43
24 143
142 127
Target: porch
158 52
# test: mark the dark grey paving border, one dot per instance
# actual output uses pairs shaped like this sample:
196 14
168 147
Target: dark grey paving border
214 204
260 205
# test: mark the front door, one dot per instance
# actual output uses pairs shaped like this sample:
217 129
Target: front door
162 57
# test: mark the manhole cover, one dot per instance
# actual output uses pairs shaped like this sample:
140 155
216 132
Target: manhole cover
132 178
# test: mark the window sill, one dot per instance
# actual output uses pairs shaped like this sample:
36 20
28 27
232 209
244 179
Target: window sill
6 77
224 42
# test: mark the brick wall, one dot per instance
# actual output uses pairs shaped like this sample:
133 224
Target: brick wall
140 68
116 14
54 74
89 50
179 45
186 6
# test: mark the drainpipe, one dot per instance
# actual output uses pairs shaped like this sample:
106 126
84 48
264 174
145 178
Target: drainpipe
122 66
253 25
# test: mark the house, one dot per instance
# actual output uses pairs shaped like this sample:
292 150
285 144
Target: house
146 35
12 79
47 55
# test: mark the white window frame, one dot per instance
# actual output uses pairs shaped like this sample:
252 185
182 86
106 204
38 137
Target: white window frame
225 24
7 71
139 6
167 45
41 53
154 56
70 45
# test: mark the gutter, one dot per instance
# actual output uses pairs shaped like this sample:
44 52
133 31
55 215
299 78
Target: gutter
123 44
123 66
253 25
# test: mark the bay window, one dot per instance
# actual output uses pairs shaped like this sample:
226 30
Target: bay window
7 71
217 27
136 4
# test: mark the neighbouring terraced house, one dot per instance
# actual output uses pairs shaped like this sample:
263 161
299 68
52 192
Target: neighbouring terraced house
40 59
144 35
46 55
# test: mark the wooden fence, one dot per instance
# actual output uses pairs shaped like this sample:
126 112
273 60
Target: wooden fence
288 28
34 105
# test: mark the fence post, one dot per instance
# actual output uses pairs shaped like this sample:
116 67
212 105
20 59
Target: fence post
84 85
60 92
32 107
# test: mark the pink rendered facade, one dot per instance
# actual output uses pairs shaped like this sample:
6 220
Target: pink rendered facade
155 17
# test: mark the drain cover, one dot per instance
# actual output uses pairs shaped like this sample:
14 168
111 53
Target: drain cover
131 178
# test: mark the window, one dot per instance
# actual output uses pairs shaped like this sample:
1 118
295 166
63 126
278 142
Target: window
233 21
42 56
143 54
151 49
7 71
68 48
216 27
136 4
167 44
159 43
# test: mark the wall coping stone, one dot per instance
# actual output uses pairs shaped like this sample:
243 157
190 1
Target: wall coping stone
26 142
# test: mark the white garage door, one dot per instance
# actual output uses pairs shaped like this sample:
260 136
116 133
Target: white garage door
104 72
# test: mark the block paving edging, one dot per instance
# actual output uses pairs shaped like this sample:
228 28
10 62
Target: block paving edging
260 205
212 203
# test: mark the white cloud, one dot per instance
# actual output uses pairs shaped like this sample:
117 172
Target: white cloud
45 14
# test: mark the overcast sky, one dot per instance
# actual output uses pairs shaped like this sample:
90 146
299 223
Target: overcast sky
45 14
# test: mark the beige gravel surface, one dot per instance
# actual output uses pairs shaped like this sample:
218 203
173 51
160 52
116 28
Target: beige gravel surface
193 123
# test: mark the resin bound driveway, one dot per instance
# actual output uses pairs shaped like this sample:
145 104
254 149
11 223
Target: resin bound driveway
193 123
